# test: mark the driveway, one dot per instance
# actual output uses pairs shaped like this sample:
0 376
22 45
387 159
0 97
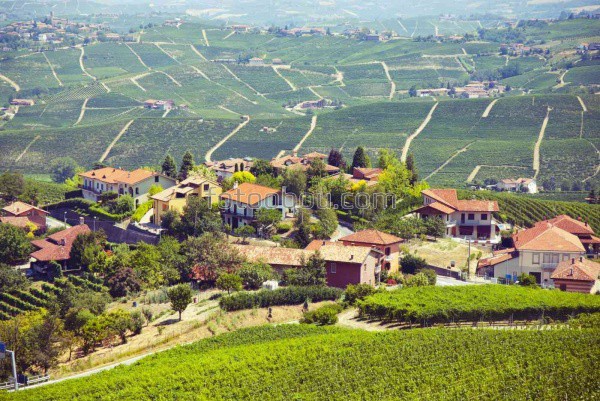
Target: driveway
449 281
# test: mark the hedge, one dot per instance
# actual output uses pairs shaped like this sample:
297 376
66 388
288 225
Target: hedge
142 210
81 282
16 302
88 206
28 297
282 296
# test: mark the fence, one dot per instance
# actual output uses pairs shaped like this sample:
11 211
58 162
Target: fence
24 381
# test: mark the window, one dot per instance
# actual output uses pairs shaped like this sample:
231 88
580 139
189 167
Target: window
156 178
546 258
137 191
333 268
565 256
535 259
164 207
471 216
206 186
388 251
483 216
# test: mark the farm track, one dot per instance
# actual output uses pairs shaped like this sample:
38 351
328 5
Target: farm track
165 52
239 80
313 124
205 38
487 110
455 154
82 112
389 77
229 35
582 104
9 81
105 87
166 113
417 132
597 166
138 57
536 149
229 110
52 69
208 155
339 76
311 88
402 25
114 141
176 82
287 81
412 35
27 148
464 51
199 71
478 167
198 53
81 56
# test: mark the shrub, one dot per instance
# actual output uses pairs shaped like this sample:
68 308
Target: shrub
431 275
281 296
355 292
527 280
418 280
283 227
229 282
142 210
411 264
254 274
586 321
137 322
325 315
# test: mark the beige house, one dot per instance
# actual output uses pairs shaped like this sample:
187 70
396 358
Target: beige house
136 183
578 275
176 197
537 251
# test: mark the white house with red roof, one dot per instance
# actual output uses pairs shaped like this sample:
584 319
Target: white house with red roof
136 183
537 251
581 229
56 247
467 219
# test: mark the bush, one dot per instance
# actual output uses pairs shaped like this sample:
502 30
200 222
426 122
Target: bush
411 264
325 315
527 280
137 322
254 274
142 210
281 296
586 321
283 227
418 280
355 292
431 275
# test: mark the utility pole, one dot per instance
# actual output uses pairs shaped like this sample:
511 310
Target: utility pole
3 352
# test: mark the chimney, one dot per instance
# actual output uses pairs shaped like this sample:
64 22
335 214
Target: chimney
63 242
573 261
581 259
235 185
571 272
81 221
323 242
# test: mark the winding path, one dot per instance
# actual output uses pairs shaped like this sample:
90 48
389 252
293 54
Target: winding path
313 124
458 152
287 81
198 53
82 112
167 53
52 69
417 132
389 77
536 149
489 108
239 80
12 83
582 104
27 148
222 141
205 38
114 141
138 56
81 56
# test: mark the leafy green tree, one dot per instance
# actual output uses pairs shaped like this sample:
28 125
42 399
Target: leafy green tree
12 185
76 318
254 274
155 189
266 217
209 255
312 271
244 232
123 282
294 181
386 159
435 227
418 280
145 262
412 168
328 222
527 280
120 322
187 164
63 168
14 245
336 159
11 279
137 322
303 227
240 177
360 158
87 250
316 169
261 167
229 282
199 217
180 297
168 167
411 264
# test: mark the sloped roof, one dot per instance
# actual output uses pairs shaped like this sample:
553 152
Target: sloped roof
446 196
496 259
477 206
439 206
571 225
546 237
249 194
579 270
114 175
52 249
371 236
18 208
17 221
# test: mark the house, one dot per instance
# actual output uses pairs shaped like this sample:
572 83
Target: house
432 92
577 275
371 37
468 219
242 201
159 104
240 28
176 197
136 183
366 173
225 168
21 213
313 104
303 163
387 244
22 102
537 251
56 248
344 264
256 62
277 61
528 185
581 230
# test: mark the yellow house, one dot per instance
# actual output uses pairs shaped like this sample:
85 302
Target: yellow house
175 198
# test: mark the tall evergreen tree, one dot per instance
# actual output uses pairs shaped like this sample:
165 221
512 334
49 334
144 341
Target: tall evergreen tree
168 167
336 159
410 165
360 158
187 164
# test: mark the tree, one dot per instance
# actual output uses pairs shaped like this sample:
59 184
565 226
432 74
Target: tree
209 255
302 225
386 159
155 189
360 158
294 181
312 271
180 297
254 274
411 264
261 167
316 169
87 249
239 177
244 232
11 185
11 279
410 166
199 217
168 167
137 322
145 262
418 280
187 164
123 282
328 222
527 280
63 168
76 319
120 322
14 245
266 217
147 315
435 227
229 282
412 92
336 159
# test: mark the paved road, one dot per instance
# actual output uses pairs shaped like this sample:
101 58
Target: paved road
340 232
449 281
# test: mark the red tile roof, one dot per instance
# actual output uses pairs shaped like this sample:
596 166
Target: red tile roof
19 208
496 259
571 225
477 206
449 198
53 247
439 206
249 194
17 221
371 236
446 196
114 175
578 269
546 237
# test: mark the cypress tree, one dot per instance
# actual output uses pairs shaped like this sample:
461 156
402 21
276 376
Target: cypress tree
410 166
360 158
168 167
187 164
